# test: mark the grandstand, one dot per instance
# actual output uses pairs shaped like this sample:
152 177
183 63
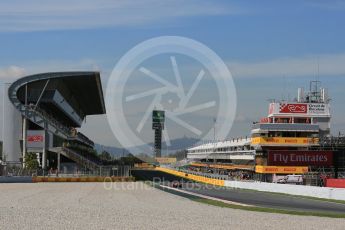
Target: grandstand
53 106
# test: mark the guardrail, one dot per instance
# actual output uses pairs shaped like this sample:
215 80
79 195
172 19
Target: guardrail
300 190
82 179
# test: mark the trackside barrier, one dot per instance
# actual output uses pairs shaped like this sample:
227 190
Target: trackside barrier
319 192
16 179
192 177
82 179
335 183
300 190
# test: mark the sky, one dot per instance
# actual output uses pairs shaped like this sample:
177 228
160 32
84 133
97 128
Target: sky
270 47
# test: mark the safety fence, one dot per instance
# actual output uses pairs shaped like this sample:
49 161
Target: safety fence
311 191
15 170
82 179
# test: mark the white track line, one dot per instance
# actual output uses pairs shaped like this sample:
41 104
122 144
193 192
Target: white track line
207 197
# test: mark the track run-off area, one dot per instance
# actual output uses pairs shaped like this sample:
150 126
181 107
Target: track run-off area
130 205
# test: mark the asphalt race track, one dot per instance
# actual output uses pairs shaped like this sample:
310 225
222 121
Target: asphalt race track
261 199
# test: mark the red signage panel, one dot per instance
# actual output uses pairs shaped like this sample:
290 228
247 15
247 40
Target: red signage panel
293 108
300 158
35 138
335 183
264 120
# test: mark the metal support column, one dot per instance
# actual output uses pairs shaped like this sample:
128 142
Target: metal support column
25 126
45 147
58 163
24 139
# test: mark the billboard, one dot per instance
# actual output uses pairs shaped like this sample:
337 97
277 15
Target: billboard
158 116
300 158
317 108
299 108
293 108
284 141
166 160
35 139
280 169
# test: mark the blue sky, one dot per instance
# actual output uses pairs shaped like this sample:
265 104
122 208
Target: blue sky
270 47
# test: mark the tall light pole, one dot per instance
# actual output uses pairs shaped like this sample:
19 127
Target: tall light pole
158 118
3 120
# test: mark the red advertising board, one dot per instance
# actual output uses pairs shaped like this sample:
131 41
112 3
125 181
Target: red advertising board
293 108
35 138
300 158
264 120
335 183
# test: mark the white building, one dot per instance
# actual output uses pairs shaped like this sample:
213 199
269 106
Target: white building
236 150
11 129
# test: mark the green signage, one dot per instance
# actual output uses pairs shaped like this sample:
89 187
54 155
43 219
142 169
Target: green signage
158 116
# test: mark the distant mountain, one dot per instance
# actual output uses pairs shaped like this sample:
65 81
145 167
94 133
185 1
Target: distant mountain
115 151
175 145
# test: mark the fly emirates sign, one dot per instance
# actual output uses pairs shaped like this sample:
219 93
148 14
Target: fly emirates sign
300 158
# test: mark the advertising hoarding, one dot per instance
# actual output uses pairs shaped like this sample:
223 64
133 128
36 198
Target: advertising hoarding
300 158
280 169
293 108
299 108
158 119
316 108
284 141
158 116
166 160
35 139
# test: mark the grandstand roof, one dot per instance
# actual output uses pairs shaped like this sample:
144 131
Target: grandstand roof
68 97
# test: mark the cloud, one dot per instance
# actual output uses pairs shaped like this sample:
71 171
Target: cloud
85 64
329 65
79 14
11 73
335 5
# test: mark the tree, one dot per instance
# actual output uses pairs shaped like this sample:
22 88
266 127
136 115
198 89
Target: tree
180 155
31 162
130 159
1 150
105 156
